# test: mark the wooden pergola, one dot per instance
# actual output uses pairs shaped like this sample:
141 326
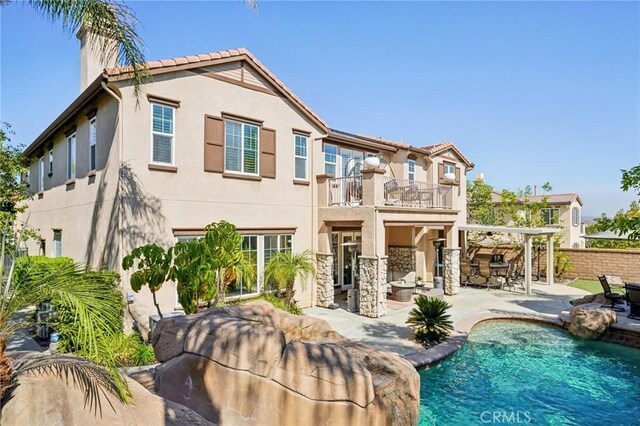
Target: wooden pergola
528 233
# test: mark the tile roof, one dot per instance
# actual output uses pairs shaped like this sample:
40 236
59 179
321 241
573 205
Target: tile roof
205 58
552 199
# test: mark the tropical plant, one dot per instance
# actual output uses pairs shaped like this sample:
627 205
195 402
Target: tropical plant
152 269
125 349
284 267
84 293
429 319
204 267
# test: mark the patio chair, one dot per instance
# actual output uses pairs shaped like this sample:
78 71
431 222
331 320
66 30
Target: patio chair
633 300
485 272
616 299
465 273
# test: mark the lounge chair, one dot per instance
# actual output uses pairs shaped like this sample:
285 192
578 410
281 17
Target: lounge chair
616 299
633 300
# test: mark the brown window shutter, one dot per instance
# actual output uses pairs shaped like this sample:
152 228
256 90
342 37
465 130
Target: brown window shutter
457 176
267 153
213 144
441 173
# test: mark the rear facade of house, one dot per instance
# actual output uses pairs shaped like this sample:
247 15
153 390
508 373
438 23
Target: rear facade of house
218 137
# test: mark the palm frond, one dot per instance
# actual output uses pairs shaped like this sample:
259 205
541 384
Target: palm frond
112 31
94 381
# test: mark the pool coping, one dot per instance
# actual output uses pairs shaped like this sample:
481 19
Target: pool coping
431 356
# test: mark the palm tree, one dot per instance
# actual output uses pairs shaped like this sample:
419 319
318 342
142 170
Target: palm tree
113 30
84 292
284 267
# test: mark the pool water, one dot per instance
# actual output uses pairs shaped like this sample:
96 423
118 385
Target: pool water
512 372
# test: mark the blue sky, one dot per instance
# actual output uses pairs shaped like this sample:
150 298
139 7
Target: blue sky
530 92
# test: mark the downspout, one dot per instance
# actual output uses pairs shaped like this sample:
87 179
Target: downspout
120 161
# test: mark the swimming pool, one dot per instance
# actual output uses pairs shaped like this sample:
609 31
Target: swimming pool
512 372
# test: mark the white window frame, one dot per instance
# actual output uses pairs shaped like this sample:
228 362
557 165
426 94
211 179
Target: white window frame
41 174
71 159
575 216
334 163
411 174
556 214
242 126
93 143
449 168
59 245
172 135
305 157
51 161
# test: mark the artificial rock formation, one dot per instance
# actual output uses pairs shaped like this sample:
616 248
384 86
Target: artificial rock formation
590 298
49 400
590 321
256 365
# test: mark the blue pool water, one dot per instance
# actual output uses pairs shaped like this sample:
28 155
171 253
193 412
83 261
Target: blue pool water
512 372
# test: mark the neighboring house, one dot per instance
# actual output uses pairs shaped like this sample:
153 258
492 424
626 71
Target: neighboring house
219 137
564 211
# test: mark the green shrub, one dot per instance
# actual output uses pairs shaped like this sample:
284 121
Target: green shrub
125 350
38 265
429 320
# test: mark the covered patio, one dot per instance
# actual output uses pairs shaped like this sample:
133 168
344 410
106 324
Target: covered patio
528 234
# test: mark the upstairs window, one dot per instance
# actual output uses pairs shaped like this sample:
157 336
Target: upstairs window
41 174
575 216
330 159
50 161
71 156
412 169
449 168
241 146
92 143
57 243
551 216
163 134
300 153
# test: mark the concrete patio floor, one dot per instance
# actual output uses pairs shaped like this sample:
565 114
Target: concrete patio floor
390 333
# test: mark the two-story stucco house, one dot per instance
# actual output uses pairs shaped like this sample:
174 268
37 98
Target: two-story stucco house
564 211
219 137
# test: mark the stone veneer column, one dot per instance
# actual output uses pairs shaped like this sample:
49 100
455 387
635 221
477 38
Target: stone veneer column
451 270
324 279
373 289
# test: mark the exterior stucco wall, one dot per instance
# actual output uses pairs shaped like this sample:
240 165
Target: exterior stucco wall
194 198
85 211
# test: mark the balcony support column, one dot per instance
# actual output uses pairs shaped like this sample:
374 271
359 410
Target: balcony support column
373 187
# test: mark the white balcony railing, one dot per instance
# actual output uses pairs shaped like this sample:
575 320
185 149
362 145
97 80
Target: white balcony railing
409 193
345 191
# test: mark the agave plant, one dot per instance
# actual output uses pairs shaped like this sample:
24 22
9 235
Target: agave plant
87 295
429 319
284 267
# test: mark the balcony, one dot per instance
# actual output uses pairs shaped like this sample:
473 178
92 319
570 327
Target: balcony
374 189
411 193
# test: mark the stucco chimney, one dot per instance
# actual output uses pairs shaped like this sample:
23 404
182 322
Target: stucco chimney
480 177
535 189
92 62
